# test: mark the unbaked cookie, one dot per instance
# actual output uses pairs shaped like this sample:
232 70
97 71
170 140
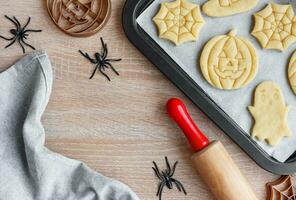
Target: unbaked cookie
275 26
270 113
179 21
292 72
217 8
228 61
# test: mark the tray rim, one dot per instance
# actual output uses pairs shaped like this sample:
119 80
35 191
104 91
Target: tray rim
158 57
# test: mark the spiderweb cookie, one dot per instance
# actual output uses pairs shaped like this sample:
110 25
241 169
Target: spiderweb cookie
179 21
270 113
275 26
217 8
228 61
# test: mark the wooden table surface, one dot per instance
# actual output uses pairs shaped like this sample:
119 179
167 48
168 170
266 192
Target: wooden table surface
118 128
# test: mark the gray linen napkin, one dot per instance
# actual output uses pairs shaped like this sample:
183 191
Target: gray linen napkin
28 170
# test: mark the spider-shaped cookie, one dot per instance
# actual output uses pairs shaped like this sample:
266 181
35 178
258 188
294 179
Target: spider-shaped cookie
101 61
166 178
19 33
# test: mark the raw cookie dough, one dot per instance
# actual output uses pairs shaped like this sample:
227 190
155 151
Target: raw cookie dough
292 72
275 26
217 8
179 21
228 61
270 114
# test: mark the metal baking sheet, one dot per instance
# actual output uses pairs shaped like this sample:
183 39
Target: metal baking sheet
182 79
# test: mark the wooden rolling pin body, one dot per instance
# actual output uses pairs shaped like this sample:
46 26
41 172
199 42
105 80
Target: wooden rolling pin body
220 173
211 159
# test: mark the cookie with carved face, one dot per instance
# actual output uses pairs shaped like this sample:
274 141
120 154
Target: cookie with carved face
228 61
270 114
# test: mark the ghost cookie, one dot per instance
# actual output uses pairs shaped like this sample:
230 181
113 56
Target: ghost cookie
292 72
179 21
228 61
275 26
270 113
217 8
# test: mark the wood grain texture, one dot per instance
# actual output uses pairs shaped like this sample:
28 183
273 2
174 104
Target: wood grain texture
116 127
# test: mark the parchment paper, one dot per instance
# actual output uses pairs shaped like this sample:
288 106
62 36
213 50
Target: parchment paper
272 66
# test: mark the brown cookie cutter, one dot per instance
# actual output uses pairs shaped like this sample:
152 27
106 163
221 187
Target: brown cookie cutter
281 189
80 18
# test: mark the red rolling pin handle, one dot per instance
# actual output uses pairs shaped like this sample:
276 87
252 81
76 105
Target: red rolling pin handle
179 113
212 161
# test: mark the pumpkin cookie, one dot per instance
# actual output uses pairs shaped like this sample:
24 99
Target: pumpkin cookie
217 8
270 113
275 26
228 61
179 21
292 72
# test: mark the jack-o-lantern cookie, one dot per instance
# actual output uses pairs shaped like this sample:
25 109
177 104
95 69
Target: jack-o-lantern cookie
179 21
292 72
270 114
228 61
275 26
217 8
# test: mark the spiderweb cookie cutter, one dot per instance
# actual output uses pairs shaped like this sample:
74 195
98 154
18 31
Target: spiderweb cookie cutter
79 18
281 189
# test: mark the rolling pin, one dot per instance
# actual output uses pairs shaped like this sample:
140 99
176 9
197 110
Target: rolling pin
211 160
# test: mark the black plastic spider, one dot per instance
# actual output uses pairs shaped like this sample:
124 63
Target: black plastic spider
20 33
101 61
166 178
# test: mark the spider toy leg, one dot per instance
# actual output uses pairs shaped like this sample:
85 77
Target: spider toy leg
15 23
113 69
168 165
94 72
5 38
100 69
174 168
160 189
179 185
20 42
29 19
11 43
25 43
88 57
156 170
105 53
31 30
113 60
105 49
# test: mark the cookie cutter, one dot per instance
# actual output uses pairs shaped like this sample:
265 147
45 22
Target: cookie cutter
79 18
282 188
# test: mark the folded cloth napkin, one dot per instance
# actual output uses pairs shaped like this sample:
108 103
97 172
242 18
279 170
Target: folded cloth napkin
28 170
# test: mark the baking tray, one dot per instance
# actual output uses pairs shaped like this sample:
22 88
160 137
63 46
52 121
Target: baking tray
141 40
